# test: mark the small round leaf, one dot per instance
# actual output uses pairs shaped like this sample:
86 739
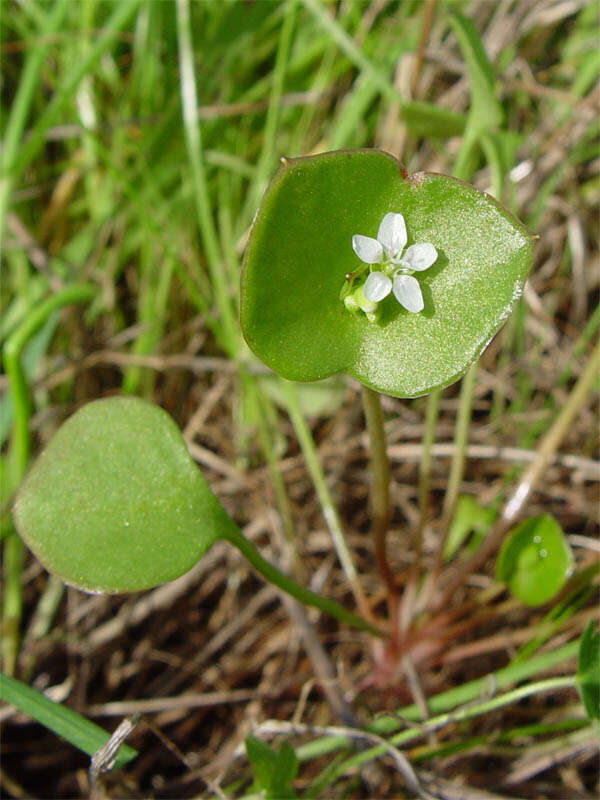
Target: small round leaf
115 503
535 560
301 249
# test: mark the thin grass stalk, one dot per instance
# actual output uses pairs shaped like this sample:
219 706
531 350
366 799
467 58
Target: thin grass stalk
71 726
258 399
155 228
267 156
328 508
348 46
457 467
318 657
445 702
121 15
516 735
428 13
457 716
193 137
41 623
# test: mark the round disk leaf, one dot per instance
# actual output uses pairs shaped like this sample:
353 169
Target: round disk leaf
535 560
115 503
300 250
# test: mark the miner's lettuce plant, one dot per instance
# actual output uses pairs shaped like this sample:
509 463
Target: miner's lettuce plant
116 504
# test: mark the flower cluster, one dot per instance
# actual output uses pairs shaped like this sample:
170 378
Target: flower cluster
397 266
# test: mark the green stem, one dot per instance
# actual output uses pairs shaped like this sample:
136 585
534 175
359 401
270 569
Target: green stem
271 574
330 513
19 454
380 494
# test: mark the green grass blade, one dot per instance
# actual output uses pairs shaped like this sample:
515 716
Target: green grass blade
63 721
267 157
486 112
189 103
20 107
118 19
347 44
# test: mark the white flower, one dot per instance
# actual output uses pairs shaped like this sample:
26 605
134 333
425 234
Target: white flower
398 266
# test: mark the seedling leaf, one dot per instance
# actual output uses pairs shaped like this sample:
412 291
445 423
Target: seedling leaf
273 771
469 517
535 560
115 503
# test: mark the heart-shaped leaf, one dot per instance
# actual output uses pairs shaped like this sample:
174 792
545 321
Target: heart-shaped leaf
300 252
535 560
115 503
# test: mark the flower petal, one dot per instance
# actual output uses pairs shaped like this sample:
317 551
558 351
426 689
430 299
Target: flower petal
392 233
420 256
377 286
408 293
368 250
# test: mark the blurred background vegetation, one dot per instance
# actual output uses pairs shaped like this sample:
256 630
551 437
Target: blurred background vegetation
138 138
